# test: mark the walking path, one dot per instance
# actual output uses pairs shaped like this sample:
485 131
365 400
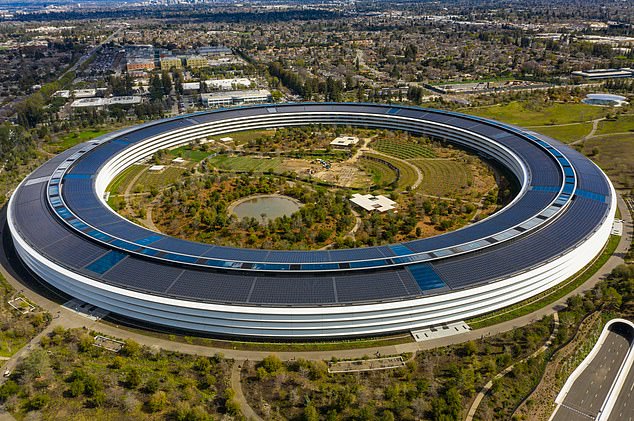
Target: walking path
236 385
595 126
480 396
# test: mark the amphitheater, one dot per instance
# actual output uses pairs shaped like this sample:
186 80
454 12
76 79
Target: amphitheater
64 232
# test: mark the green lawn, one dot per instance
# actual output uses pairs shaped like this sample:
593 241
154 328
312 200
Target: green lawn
402 149
168 176
188 154
382 175
622 124
245 135
247 163
121 181
614 156
71 139
566 134
408 175
442 177
530 114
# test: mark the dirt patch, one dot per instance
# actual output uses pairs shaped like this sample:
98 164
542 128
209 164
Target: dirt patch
344 175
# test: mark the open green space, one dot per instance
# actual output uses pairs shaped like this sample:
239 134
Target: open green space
382 175
150 180
189 154
443 177
123 179
402 149
622 124
245 135
74 138
566 134
408 175
532 114
247 163
613 153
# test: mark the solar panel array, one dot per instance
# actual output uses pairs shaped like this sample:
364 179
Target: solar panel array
48 233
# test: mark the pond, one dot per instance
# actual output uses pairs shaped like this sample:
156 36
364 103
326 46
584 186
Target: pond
265 207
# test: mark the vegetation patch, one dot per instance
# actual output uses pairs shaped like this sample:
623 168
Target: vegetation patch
532 113
18 326
434 384
382 175
67 377
442 177
613 153
247 163
404 149
619 124
567 134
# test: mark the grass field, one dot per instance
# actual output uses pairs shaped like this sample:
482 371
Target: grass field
246 163
74 138
187 153
402 149
121 181
614 156
245 135
624 123
382 175
161 179
522 114
408 175
566 134
442 177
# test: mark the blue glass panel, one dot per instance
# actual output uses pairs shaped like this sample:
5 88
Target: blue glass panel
367 264
75 176
320 266
149 240
125 245
180 258
591 195
400 249
63 212
99 235
106 262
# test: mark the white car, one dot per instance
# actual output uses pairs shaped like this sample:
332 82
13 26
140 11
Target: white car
7 373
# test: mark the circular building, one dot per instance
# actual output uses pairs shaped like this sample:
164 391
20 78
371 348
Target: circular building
605 100
64 231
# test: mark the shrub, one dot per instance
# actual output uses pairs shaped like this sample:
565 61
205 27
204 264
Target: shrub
158 401
37 402
271 364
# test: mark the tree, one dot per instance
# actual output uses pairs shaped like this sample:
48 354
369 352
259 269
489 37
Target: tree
156 88
31 111
310 413
166 82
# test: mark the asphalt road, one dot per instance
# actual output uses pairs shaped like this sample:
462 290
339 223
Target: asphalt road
623 409
590 390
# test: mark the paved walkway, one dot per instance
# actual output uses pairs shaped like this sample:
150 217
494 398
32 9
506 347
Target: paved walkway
480 396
